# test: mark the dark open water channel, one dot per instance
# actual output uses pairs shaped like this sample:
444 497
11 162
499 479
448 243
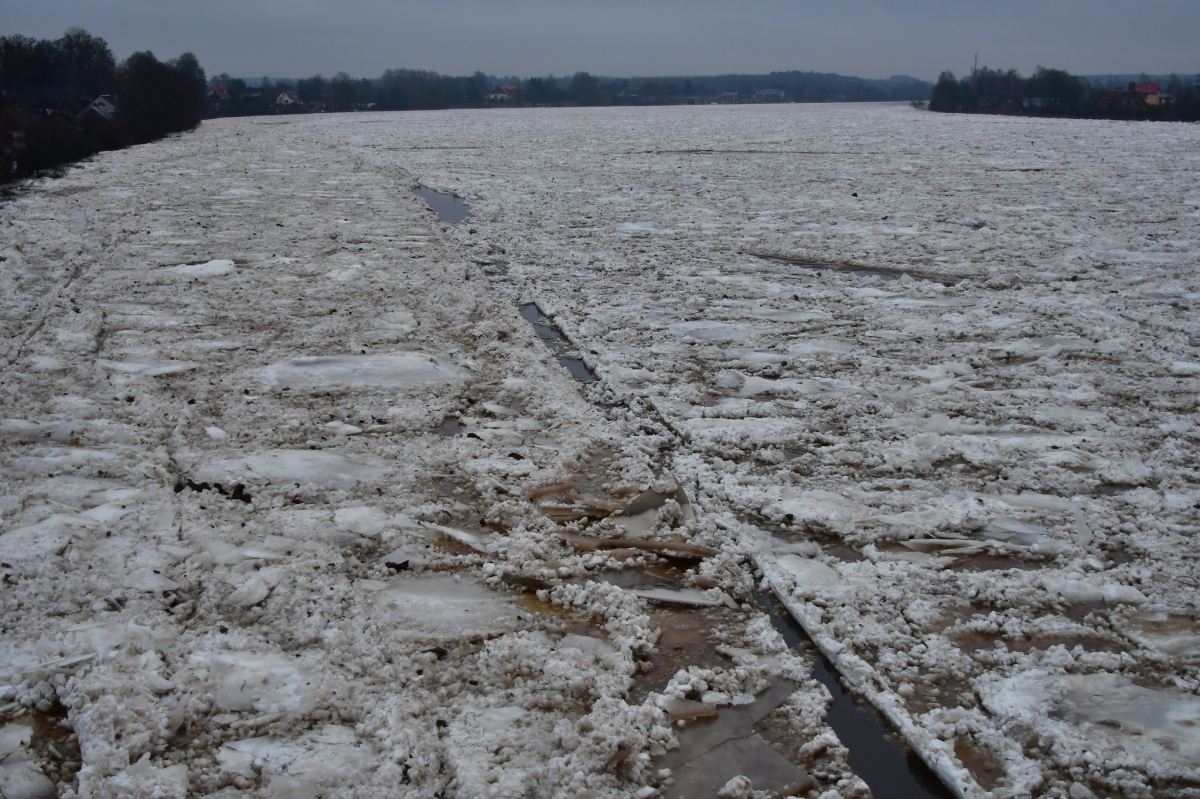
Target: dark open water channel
887 765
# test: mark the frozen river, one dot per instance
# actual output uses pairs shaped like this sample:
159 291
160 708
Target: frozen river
297 503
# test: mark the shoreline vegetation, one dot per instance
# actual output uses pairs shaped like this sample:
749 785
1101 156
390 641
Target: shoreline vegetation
65 99
1056 93
62 100
411 90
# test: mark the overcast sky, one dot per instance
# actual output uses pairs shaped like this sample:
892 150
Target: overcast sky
867 38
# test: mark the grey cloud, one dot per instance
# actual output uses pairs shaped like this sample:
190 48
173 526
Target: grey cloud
535 37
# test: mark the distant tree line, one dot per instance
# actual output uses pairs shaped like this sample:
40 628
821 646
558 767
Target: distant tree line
50 113
1053 92
409 89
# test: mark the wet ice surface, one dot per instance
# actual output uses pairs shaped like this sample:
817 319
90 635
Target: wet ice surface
974 483
448 207
1012 423
887 275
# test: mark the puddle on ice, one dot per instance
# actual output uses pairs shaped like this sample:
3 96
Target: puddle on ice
974 642
862 271
1173 634
38 751
890 768
713 752
559 344
448 207
543 329
578 369
829 543
984 562
683 643
450 428
986 771
1081 611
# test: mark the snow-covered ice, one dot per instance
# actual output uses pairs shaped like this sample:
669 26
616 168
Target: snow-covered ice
296 503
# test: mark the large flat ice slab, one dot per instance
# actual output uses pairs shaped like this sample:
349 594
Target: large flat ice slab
300 466
382 371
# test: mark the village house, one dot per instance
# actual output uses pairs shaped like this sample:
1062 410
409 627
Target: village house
1136 97
218 94
1004 104
502 94
12 140
105 102
768 96
104 105
287 98
1150 92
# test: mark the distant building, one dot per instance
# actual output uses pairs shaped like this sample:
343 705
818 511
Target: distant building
1039 103
1004 104
768 96
1137 97
503 94
218 94
729 98
13 126
104 105
1150 92
287 98
106 102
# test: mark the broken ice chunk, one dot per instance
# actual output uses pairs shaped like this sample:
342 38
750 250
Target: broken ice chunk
215 268
752 755
13 738
148 368
596 647
496 719
442 606
342 429
689 710
143 776
25 781
1122 595
400 371
810 576
475 541
1013 532
250 593
1073 591
1080 591
679 596
365 521
270 683
1177 635
318 467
